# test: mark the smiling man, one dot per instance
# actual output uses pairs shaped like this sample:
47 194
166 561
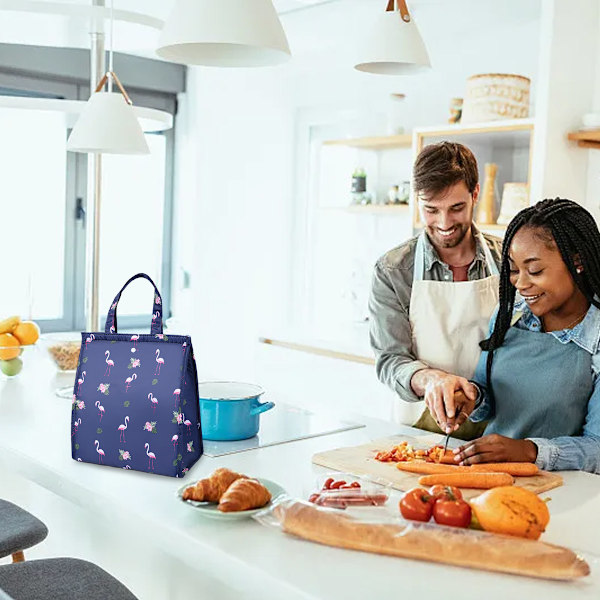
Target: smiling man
433 296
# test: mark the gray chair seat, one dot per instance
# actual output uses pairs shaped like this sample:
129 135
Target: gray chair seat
18 529
60 578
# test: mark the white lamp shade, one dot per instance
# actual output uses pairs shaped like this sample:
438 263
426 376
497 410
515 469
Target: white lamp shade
108 125
393 47
224 33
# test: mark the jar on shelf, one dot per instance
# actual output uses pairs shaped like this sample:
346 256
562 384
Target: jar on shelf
359 187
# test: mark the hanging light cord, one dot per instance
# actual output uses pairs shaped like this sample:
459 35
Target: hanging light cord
110 54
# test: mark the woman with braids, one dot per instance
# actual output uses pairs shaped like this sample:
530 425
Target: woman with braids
539 374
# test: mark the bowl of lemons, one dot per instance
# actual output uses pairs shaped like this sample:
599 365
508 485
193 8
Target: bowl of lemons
16 337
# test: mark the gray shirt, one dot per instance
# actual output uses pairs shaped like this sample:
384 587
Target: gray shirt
389 305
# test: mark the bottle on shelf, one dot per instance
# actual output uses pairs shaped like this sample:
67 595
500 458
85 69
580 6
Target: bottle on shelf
487 204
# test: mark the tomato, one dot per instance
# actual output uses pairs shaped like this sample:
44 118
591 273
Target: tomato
446 492
456 513
417 505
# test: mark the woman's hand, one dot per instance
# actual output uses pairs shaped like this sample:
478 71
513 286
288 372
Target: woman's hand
495 448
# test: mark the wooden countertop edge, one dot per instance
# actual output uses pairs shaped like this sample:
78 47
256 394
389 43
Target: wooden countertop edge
319 351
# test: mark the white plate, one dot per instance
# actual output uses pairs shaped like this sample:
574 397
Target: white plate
210 510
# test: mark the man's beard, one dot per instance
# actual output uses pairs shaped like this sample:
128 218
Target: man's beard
454 240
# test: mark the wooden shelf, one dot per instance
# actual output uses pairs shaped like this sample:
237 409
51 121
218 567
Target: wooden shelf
374 209
375 142
586 138
509 133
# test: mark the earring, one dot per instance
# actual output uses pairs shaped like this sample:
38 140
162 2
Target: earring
579 269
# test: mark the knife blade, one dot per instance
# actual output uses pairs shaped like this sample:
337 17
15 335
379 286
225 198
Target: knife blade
459 401
446 442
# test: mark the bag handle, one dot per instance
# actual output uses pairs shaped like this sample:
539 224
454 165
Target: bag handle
157 324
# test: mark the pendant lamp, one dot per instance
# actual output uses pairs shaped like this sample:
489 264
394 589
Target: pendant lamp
394 46
224 33
108 124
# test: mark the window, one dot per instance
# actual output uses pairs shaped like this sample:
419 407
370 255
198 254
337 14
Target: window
42 210
32 211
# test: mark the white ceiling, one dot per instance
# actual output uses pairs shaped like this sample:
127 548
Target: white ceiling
28 28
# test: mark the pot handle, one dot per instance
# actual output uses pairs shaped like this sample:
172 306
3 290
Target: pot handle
262 408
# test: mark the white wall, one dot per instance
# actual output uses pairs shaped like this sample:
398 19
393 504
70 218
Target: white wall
593 172
236 159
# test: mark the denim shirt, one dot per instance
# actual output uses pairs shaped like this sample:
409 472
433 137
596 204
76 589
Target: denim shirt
565 452
389 306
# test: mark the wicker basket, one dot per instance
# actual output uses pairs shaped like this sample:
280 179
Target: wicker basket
493 96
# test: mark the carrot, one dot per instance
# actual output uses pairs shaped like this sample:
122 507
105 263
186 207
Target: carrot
517 469
468 480
448 459
427 467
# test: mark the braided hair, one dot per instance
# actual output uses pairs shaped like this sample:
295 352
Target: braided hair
575 233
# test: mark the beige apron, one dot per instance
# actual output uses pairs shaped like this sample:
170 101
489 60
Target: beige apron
448 320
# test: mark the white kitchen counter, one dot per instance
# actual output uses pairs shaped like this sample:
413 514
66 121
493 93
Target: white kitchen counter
247 558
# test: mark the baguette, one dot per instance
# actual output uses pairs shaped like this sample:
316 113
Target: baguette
448 545
514 469
481 481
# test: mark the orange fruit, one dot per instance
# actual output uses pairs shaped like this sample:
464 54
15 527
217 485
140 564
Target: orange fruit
9 346
511 510
27 332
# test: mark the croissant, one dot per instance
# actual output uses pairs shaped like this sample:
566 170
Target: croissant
244 494
211 489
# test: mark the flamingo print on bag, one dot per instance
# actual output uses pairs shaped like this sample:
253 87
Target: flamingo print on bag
184 346
176 394
174 440
109 363
187 423
159 362
134 338
154 401
76 424
155 316
129 381
151 456
122 429
99 451
100 408
80 381
89 339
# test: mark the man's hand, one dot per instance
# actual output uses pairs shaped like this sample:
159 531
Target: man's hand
495 448
449 398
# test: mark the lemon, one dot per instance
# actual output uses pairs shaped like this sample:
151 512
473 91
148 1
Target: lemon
27 332
9 325
9 346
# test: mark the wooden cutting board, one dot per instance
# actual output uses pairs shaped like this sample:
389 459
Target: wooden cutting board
360 461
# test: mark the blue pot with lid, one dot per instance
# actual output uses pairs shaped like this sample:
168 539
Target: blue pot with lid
230 410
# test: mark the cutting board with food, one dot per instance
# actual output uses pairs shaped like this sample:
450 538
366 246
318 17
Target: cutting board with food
404 464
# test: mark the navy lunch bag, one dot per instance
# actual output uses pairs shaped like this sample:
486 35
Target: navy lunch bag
135 400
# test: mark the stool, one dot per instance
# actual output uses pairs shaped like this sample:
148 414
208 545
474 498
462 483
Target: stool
64 578
18 530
